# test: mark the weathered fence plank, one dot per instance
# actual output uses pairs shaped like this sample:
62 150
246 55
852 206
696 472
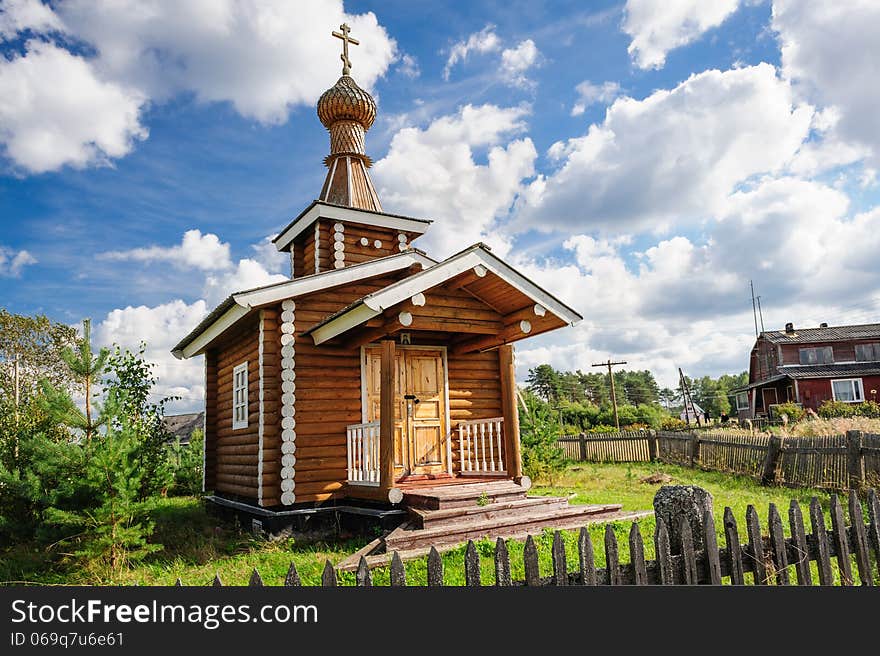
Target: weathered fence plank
217 583
664 555
435 568
710 542
800 554
560 567
841 543
362 576
756 546
502 564
874 527
612 560
472 566
398 573
734 550
690 575
256 579
586 560
328 576
859 539
637 556
820 537
777 547
292 578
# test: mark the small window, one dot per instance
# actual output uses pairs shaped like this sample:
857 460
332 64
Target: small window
848 390
819 355
742 401
240 396
867 352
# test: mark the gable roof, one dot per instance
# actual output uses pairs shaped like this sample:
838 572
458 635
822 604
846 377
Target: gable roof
478 255
824 334
238 305
799 372
321 209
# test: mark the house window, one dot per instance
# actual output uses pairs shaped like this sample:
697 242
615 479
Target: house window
240 396
742 401
848 390
867 352
819 355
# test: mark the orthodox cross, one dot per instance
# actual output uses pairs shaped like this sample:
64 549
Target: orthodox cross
346 62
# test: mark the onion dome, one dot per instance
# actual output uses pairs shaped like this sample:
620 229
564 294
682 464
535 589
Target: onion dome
346 101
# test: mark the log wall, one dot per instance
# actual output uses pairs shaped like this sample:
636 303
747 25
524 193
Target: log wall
474 392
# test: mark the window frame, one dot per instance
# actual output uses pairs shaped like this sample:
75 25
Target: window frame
240 384
875 349
816 350
744 395
857 389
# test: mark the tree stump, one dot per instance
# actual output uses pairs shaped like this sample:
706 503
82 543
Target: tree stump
672 503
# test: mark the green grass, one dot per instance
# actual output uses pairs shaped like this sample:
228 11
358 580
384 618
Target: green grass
196 545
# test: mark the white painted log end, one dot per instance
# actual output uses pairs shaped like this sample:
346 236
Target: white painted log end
526 326
405 318
377 244
338 227
288 304
288 498
365 241
540 310
480 270
395 495
526 483
418 299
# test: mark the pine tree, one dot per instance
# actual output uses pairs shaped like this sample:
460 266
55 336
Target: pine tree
85 367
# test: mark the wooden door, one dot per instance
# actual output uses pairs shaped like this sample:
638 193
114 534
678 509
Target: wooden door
770 398
419 408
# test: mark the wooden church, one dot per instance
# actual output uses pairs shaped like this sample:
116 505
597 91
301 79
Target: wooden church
376 373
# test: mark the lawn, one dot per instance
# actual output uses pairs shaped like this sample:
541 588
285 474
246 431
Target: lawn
196 546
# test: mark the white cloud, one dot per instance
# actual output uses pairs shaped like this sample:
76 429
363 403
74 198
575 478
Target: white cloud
432 172
55 110
247 274
480 42
161 327
12 261
674 156
197 251
263 57
830 50
658 27
408 66
590 94
516 61
17 16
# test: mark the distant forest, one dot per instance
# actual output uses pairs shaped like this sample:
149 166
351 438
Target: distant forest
583 400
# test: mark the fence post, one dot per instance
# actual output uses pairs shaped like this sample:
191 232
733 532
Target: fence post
652 445
771 460
855 462
695 449
582 442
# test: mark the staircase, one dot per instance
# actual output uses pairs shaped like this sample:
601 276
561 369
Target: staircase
446 515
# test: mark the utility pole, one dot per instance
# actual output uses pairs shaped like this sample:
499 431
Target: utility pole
610 364
688 400
760 314
754 309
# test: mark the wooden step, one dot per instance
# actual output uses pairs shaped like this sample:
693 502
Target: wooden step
459 496
426 518
472 528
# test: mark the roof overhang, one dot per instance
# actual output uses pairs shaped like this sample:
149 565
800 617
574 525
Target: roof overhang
237 306
321 210
473 258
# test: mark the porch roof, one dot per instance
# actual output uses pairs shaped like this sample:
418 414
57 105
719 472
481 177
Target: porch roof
471 267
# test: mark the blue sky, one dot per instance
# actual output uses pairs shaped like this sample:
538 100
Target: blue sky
641 159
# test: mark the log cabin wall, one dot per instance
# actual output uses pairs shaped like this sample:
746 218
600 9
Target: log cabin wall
210 455
235 470
474 393
270 390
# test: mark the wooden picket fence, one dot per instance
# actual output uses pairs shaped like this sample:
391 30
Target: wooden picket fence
837 462
762 560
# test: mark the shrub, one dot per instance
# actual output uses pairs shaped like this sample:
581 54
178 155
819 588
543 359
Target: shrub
540 430
793 411
186 463
832 409
672 424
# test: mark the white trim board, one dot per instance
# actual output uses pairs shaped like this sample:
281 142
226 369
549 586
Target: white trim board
374 304
351 215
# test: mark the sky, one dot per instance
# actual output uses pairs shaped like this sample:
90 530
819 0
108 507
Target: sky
642 160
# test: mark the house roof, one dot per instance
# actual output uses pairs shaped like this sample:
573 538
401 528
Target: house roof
800 372
322 209
238 305
826 334
475 256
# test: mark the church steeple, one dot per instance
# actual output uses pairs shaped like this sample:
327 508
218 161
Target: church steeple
347 111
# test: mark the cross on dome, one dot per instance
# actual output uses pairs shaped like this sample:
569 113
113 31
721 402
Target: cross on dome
346 62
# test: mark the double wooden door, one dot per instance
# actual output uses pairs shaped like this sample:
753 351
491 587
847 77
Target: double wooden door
419 408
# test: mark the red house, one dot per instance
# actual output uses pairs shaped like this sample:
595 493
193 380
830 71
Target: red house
811 365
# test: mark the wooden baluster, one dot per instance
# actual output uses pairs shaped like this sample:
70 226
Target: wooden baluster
348 441
492 446
374 443
756 545
734 549
586 562
435 568
530 561
461 445
557 554
637 556
664 555
777 547
499 433
502 564
472 566
800 550
841 542
483 445
820 535
859 539
359 448
612 561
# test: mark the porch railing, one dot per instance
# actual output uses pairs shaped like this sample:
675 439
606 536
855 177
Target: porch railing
363 453
480 443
